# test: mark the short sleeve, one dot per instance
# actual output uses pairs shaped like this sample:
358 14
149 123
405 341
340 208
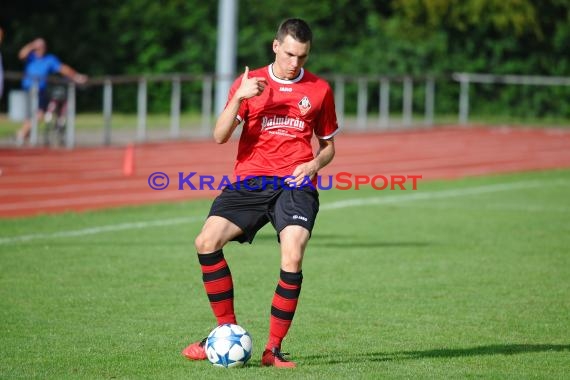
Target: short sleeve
54 64
327 125
243 107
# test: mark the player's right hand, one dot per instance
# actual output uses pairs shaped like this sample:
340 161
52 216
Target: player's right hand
251 87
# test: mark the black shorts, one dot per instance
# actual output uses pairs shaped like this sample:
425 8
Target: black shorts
252 203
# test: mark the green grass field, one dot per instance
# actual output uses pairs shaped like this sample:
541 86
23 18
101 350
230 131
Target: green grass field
459 279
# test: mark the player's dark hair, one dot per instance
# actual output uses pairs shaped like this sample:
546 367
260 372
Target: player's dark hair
296 28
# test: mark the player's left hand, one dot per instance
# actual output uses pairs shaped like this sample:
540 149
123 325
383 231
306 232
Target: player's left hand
80 78
301 172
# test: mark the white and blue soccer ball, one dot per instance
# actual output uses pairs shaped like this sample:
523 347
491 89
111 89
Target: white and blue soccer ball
229 346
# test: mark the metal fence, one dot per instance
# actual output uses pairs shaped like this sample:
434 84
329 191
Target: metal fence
465 79
364 88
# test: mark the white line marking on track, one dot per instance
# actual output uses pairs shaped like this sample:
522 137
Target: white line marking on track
355 202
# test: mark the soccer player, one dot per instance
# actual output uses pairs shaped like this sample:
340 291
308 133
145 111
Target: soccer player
281 106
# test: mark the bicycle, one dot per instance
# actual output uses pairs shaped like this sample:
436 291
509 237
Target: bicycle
55 117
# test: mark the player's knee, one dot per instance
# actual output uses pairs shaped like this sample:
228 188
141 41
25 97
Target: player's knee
204 243
292 261
201 243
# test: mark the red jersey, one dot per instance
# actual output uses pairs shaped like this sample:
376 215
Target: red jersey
279 123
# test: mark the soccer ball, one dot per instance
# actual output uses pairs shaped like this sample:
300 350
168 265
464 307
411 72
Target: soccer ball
229 346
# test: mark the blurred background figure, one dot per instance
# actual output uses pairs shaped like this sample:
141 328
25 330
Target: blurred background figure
1 67
39 65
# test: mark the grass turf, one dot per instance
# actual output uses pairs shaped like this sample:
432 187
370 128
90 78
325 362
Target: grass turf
467 278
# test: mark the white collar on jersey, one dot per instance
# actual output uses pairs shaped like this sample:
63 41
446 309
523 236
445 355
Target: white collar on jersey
285 81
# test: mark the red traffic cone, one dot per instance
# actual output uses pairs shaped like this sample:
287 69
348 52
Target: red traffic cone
129 161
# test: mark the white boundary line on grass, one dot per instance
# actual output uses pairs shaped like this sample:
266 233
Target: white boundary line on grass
416 196
100 229
354 202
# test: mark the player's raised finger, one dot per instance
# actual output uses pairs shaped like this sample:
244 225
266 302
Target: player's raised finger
245 74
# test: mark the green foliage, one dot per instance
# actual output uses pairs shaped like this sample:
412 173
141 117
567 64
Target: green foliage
166 36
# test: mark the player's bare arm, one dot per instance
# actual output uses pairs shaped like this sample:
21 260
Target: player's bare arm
36 44
227 122
309 169
72 74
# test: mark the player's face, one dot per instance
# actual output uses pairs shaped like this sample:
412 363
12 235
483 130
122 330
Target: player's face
41 48
290 57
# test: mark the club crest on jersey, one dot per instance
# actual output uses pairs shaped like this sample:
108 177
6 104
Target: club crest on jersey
304 105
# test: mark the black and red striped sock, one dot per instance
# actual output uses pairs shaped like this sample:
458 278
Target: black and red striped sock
219 285
283 307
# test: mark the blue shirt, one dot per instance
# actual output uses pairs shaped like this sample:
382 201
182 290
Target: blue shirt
39 68
1 77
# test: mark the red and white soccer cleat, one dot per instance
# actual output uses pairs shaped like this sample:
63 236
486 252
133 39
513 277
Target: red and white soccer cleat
196 351
274 358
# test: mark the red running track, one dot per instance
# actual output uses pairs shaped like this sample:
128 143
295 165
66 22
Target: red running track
45 181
